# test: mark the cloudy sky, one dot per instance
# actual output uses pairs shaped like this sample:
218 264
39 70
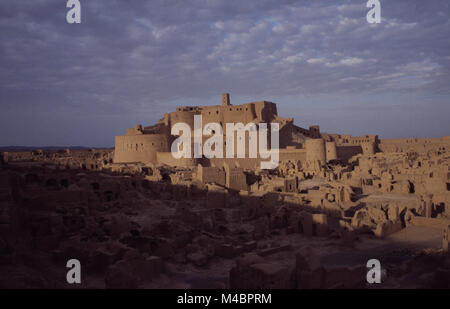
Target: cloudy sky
129 62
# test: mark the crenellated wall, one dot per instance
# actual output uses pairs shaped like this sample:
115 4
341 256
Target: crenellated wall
295 143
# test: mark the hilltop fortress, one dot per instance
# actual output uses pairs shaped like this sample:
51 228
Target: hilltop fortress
152 144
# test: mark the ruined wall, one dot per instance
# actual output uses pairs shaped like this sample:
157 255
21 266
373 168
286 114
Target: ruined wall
139 148
368 148
211 175
414 144
250 163
168 159
348 140
235 178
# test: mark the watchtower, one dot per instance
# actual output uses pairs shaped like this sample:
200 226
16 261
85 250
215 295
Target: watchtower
226 99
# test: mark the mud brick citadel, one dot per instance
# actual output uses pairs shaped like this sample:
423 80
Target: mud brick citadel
152 144
137 217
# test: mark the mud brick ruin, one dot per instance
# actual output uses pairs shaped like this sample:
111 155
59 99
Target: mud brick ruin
134 216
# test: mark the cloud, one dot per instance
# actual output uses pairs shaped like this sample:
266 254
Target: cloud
135 60
351 61
316 60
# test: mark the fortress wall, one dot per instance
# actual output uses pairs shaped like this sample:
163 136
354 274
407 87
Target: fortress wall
414 144
346 152
285 135
182 116
412 140
239 113
212 114
220 114
293 154
315 150
136 147
139 148
301 130
165 120
168 159
237 141
205 138
247 163
348 140
331 151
